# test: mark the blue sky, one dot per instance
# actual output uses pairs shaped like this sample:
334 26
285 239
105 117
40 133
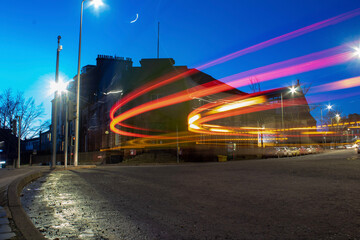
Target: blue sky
192 32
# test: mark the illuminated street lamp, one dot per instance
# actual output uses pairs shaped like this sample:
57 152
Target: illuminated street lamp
337 117
96 4
328 107
293 90
55 106
58 88
357 52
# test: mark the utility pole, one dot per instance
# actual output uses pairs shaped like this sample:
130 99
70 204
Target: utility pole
19 141
282 112
55 108
66 130
177 144
158 41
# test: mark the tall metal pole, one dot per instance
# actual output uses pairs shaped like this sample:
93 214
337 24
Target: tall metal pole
19 142
321 122
55 108
177 144
158 41
77 121
282 112
66 130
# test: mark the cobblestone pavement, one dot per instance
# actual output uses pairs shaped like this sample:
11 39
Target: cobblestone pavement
8 175
5 229
308 197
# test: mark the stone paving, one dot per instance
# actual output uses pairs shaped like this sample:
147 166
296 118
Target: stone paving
307 197
5 229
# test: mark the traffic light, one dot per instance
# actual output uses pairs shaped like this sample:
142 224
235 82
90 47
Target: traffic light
72 141
13 127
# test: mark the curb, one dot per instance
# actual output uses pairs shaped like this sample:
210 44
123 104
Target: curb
74 168
19 216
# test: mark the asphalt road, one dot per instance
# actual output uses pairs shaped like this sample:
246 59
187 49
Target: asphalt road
307 197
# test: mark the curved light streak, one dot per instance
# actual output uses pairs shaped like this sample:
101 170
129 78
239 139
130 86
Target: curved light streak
235 81
164 81
212 88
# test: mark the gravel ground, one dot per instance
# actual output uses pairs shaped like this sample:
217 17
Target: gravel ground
308 197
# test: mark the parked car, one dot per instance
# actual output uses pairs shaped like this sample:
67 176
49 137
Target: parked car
318 149
278 152
303 150
294 151
310 149
284 152
340 147
270 152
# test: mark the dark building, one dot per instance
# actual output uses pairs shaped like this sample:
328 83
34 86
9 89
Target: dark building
103 84
8 146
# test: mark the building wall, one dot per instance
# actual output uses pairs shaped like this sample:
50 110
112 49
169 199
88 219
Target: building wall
112 78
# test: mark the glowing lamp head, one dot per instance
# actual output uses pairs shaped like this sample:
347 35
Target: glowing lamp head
293 90
337 115
357 52
329 107
96 3
58 87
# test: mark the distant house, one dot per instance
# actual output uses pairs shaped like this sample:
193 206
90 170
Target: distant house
8 146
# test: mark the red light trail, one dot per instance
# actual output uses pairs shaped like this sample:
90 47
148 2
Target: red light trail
212 88
310 62
169 79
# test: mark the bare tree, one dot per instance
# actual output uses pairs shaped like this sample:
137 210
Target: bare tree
41 127
254 84
8 106
12 105
305 88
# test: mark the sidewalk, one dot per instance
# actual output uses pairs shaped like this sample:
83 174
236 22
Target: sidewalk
14 222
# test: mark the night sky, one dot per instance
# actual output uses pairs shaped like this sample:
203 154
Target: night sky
191 32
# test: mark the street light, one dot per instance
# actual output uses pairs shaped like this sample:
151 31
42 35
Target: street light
328 107
55 106
293 90
357 52
96 4
58 88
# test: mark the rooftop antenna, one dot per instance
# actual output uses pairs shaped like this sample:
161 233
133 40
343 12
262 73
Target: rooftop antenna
158 42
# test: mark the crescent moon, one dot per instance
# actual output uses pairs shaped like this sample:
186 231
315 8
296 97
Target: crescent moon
137 16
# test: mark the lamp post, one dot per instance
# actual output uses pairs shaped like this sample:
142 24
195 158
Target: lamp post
66 130
328 107
292 91
55 106
19 141
96 3
337 117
